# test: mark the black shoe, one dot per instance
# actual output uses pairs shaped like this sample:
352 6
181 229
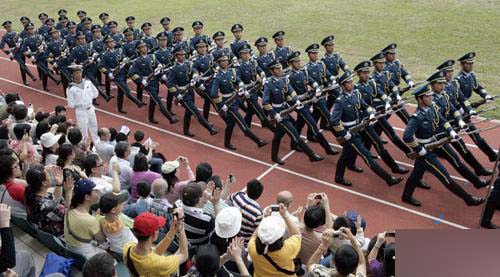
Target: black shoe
152 120
332 151
312 139
174 120
188 133
355 169
489 225
229 146
412 201
261 143
46 89
26 83
423 185
400 170
384 141
94 102
394 181
295 147
278 160
122 111
213 131
375 156
140 104
316 158
342 181
483 172
482 184
474 201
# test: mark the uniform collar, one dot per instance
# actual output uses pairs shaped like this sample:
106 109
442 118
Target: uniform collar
466 74
275 78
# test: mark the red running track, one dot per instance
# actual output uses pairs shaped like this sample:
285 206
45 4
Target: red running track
370 196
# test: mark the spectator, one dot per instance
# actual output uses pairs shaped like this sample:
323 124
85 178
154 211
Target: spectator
46 209
49 142
138 138
286 198
41 115
81 148
144 202
268 241
122 150
81 228
141 259
20 113
386 253
160 204
199 225
349 259
9 98
103 147
203 172
65 161
41 128
250 209
11 191
209 207
170 172
22 144
343 221
100 265
60 110
113 225
141 173
112 133
95 169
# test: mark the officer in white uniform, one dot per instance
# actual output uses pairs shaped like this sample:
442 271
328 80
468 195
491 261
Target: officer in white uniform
80 94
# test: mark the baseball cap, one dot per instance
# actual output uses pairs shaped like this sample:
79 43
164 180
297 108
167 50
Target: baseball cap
271 229
48 139
147 224
40 115
112 199
83 186
169 166
228 222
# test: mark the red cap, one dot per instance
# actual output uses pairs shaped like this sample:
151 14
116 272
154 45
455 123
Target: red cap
146 224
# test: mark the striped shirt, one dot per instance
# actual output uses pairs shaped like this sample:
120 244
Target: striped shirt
197 224
251 212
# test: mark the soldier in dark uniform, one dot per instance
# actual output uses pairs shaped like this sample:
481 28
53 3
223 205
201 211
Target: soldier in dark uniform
104 17
43 18
62 26
81 15
299 80
165 23
13 41
165 57
110 65
144 72
198 35
87 29
205 65
128 47
24 22
278 92
369 91
44 30
225 84
237 30
281 51
180 82
421 128
250 73
453 99
349 110
219 48
264 58
148 38
58 56
492 203
113 32
179 41
62 12
397 70
468 84
70 37
130 20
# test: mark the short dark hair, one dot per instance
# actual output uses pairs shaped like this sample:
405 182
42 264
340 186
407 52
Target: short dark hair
99 265
59 108
113 133
121 137
121 149
254 189
138 135
203 172
346 259
20 111
140 237
100 132
6 171
75 135
20 129
340 221
191 194
207 260
90 162
314 216
143 189
41 128
11 97
140 162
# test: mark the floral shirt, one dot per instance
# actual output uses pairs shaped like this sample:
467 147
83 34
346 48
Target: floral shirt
318 270
47 214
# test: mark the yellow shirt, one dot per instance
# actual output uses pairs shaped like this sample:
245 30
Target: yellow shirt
152 264
83 225
283 257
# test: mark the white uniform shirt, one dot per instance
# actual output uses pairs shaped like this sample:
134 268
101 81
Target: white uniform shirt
81 95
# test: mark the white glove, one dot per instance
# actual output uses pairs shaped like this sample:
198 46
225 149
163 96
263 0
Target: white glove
241 92
348 136
472 112
278 117
157 71
263 80
315 85
411 83
225 108
55 65
387 106
144 82
33 58
398 97
371 117
462 124
247 94
422 152
454 135
299 105
164 77
315 99
193 82
202 87
111 76
318 92
488 98
11 55
179 97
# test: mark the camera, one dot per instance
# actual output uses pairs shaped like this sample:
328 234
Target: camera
275 208
391 234
336 234
232 179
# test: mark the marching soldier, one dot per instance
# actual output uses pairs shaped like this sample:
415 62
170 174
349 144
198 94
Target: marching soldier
250 73
87 29
226 90
468 84
165 23
348 111
148 38
144 72
179 41
62 26
264 58
180 82
237 30
198 35
110 65
97 45
104 17
113 32
421 128
70 37
299 80
81 15
492 204
277 93
397 70
452 97
205 65
24 22
62 12
165 57
130 20
219 48
281 51
43 28
58 56
128 47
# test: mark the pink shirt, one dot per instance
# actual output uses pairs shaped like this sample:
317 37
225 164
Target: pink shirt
174 193
141 176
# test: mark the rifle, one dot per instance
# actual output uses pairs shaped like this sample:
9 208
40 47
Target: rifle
125 61
482 102
477 113
290 109
405 89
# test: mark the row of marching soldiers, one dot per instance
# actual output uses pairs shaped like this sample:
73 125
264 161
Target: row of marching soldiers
272 84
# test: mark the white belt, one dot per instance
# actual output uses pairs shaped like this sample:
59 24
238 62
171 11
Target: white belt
277 105
227 95
350 123
424 140
377 100
183 87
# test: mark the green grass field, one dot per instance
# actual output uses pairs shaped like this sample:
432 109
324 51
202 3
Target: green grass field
427 31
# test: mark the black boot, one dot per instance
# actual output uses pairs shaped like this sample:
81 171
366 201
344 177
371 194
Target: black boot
486 148
23 76
275 148
342 181
119 102
476 165
412 201
187 124
324 143
227 139
423 185
260 143
151 112
294 146
489 210
211 129
390 180
313 157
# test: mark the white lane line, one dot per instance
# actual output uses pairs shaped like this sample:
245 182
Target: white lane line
381 201
275 165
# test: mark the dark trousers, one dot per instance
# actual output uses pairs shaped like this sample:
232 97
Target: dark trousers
383 125
446 152
191 110
481 143
123 89
304 117
254 108
467 155
370 137
492 203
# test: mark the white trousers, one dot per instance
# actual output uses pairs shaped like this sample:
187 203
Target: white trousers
87 121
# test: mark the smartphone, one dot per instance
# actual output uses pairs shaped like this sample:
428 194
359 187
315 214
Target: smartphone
172 212
232 179
336 234
275 208
391 234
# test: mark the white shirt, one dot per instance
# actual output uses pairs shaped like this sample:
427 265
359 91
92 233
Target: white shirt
125 171
105 150
80 95
103 184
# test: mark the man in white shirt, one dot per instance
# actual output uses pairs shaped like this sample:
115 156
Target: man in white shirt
80 94
122 151
103 147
